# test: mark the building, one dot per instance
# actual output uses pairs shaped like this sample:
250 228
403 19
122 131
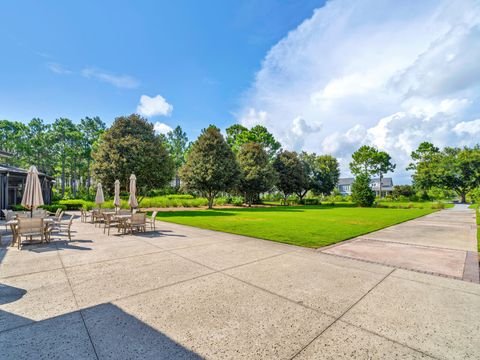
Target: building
12 183
345 186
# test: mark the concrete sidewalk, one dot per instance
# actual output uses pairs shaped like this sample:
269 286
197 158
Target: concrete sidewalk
187 293
443 243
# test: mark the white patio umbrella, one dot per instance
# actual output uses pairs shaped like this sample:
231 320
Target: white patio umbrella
116 198
132 200
99 199
32 194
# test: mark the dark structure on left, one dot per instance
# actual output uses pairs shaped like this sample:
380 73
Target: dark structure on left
12 183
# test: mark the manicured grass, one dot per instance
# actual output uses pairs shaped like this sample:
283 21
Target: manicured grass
309 226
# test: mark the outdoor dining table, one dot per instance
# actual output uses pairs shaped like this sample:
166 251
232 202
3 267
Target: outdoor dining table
122 219
13 225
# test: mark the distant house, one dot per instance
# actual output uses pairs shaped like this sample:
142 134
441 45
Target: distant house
345 186
12 183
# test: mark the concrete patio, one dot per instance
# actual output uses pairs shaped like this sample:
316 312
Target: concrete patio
187 293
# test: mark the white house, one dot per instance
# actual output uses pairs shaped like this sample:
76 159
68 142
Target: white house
345 186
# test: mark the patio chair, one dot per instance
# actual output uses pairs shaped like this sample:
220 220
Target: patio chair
28 228
60 227
152 219
57 219
9 215
84 215
137 221
109 221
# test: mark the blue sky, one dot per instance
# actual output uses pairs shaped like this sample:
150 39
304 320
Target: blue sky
322 77
87 58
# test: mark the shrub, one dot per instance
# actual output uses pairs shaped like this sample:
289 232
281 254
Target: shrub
362 194
73 204
54 207
438 205
18 208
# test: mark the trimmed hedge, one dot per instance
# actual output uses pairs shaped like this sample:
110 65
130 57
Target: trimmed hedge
54 207
72 204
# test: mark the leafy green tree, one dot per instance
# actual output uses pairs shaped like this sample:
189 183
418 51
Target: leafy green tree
238 135
65 134
14 139
383 165
403 190
370 161
322 172
130 146
364 161
460 170
326 172
257 174
362 193
455 169
308 161
211 166
39 150
292 177
91 129
177 142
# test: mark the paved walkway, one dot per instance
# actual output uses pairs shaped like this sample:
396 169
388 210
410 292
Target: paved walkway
442 243
186 293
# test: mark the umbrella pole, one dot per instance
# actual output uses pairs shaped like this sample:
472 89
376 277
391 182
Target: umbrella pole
31 207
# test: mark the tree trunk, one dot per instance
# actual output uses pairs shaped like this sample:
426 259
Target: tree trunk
380 185
88 175
63 175
210 200
464 197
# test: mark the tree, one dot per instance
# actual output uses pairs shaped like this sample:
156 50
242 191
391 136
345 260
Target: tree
364 161
238 135
425 166
403 190
92 129
211 166
456 169
257 174
370 161
291 173
64 133
177 142
383 164
460 170
131 146
326 172
322 173
362 193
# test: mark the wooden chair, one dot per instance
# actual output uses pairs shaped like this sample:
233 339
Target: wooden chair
137 221
28 228
61 227
109 221
84 215
152 219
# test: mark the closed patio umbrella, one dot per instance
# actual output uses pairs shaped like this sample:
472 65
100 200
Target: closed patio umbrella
99 199
132 200
32 194
116 198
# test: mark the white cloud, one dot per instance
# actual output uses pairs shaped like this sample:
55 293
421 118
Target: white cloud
161 128
151 106
393 77
468 127
120 81
58 68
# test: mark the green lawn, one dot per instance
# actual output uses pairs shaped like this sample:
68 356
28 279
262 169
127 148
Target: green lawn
309 226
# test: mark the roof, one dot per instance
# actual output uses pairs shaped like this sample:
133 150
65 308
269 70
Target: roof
5 154
16 170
